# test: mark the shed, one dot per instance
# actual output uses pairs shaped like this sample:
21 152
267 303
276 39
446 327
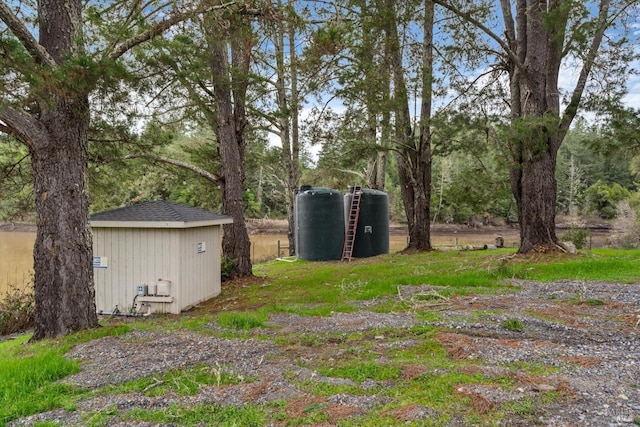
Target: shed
156 256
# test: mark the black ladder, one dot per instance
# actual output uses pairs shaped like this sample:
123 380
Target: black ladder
352 223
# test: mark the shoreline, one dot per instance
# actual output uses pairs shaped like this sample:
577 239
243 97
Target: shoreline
279 226
17 227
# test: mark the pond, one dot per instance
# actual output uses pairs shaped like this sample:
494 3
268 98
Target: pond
16 250
16 259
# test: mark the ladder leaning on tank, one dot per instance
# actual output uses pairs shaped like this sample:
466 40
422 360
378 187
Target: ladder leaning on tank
352 224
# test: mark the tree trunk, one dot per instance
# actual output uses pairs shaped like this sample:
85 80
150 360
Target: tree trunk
423 169
414 158
63 268
293 170
229 130
64 288
288 120
534 187
534 95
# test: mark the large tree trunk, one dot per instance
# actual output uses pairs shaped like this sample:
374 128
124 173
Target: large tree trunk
64 288
534 186
293 169
414 153
229 129
535 112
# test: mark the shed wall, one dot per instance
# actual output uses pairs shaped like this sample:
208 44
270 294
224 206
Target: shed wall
200 270
134 257
137 256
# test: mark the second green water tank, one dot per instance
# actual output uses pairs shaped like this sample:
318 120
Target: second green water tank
372 231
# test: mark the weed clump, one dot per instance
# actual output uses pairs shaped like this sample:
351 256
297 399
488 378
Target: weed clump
17 311
576 235
241 321
513 325
226 268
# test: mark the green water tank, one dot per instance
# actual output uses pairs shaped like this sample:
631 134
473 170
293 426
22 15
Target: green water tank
319 218
372 231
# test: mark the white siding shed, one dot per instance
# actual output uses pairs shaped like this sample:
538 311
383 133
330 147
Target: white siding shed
163 254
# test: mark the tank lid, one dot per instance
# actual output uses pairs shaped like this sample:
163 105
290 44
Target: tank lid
369 191
319 190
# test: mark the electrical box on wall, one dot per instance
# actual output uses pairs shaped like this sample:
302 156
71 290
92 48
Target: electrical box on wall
155 295
141 290
163 288
151 289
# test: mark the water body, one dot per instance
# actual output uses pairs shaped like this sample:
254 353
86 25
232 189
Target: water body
16 251
16 259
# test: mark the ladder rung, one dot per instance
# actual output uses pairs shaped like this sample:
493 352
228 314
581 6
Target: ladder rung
354 213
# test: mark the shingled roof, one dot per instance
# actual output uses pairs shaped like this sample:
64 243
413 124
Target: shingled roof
158 214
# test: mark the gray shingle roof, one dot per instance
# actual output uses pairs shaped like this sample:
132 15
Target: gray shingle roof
158 211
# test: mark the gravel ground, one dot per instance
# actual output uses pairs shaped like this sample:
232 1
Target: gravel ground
587 332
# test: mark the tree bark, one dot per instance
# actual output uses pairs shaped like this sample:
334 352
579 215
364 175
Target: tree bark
534 186
293 167
414 153
288 120
535 112
64 288
230 122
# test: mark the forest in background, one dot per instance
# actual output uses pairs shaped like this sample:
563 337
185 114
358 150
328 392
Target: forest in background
318 105
470 184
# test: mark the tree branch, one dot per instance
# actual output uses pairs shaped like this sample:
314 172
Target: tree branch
509 23
216 179
37 51
589 59
23 127
467 16
167 23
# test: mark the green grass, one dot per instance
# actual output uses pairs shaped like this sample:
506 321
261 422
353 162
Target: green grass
29 372
184 382
204 415
513 325
333 284
241 320
29 382
608 265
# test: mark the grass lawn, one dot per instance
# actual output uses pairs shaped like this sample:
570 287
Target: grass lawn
29 372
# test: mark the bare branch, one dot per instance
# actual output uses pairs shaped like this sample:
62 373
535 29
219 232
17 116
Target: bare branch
216 179
509 24
352 172
37 51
